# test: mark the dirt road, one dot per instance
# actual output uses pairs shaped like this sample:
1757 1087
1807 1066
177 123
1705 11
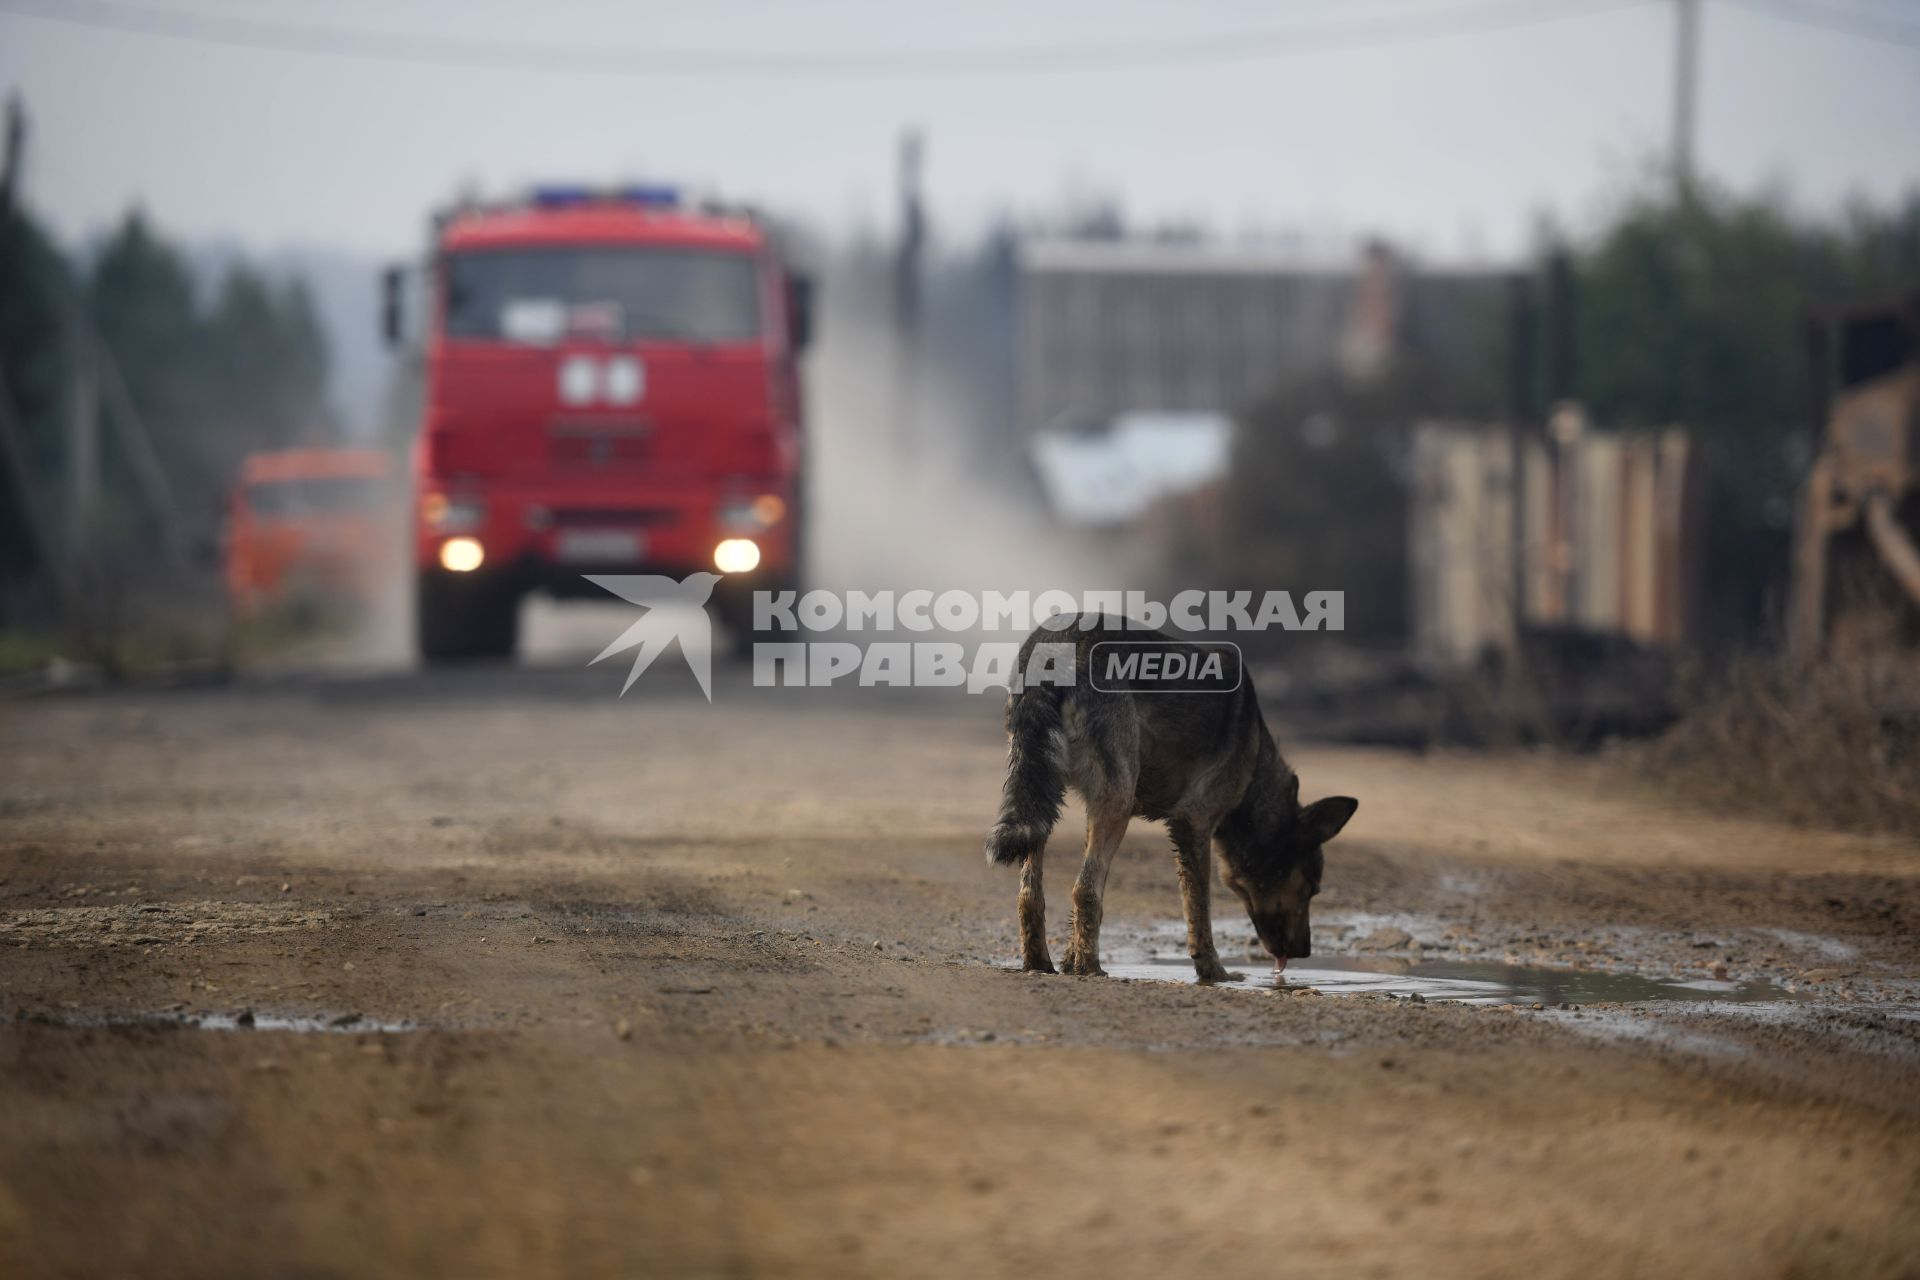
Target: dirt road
542 982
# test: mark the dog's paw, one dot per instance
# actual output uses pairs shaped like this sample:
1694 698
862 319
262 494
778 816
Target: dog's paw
1212 971
1037 964
1084 966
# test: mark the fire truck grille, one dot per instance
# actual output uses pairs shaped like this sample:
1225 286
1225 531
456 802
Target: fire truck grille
599 444
611 517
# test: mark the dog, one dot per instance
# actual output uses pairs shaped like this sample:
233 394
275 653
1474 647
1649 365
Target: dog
1203 762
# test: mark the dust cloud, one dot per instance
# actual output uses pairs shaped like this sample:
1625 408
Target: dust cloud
892 514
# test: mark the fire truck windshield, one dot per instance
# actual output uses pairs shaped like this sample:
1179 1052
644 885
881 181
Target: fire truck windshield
315 496
609 293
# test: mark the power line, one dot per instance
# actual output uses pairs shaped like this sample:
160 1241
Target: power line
1850 22
1247 45
1686 92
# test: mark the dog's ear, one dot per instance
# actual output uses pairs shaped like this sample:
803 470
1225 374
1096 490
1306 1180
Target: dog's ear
1323 819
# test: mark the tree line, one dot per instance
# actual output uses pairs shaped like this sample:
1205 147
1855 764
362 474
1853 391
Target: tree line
209 375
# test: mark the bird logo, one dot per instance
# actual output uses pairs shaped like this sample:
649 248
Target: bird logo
656 628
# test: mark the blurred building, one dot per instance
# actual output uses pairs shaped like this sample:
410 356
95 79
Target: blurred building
1111 326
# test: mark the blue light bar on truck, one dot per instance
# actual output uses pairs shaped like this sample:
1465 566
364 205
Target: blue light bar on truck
646 195
652 195
561 197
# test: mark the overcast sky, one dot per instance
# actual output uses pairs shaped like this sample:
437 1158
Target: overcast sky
1453 145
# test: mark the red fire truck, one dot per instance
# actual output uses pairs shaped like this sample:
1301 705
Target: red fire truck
612 386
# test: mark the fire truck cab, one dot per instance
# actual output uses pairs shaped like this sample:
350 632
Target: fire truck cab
612 386
312 525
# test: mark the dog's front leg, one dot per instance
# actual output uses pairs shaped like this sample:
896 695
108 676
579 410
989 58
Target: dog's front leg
1193 857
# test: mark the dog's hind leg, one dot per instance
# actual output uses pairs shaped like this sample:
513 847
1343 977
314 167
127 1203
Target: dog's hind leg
1105 828
1193 857
1033 916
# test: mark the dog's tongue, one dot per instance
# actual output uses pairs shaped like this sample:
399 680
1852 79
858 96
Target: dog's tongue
1279 966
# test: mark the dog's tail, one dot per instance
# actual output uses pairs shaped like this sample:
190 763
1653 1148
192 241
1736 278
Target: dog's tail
1036 783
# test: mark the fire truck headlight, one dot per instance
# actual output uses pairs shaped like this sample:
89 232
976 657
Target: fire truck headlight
751 515
453 513
464 555
737 555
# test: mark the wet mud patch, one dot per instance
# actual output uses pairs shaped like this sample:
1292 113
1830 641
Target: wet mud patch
240 1020
1409 957
1465 981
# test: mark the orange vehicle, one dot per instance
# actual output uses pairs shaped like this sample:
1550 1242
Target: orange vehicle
311 523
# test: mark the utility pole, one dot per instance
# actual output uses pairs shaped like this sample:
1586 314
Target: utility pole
11 159
906 297
83 442
1686 86
83 402
16 456
140 455
1562 337
17 461
1565 425
1521 319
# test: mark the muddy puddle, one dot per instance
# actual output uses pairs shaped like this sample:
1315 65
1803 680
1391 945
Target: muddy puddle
244 1020
1158 954
1466 981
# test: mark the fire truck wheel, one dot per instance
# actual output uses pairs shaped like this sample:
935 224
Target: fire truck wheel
465 618
497 622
